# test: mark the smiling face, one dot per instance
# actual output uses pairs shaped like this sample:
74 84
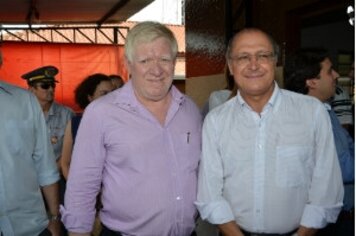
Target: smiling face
152 69
252 62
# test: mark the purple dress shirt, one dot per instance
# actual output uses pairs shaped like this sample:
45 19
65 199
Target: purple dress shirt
148 172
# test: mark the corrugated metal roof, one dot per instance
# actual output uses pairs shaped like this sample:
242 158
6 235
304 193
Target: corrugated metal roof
107 34
68 11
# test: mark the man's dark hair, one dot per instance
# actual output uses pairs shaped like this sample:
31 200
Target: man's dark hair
275 46
303 65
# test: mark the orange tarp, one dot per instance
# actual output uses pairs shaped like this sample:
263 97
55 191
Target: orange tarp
74 61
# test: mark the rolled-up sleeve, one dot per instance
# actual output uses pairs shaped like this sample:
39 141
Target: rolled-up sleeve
326 189
211 204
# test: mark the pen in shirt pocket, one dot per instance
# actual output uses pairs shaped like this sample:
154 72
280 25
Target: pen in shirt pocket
188 137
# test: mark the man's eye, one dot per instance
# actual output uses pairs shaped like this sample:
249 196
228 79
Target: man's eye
165 60
145 61
264 56
242 58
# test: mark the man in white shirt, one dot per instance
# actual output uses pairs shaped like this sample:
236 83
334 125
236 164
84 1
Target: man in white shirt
269 164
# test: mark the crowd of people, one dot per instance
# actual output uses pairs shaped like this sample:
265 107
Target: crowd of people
143 160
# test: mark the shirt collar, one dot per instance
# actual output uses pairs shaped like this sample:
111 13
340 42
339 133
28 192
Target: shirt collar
327 106
273 101
54 108
3 88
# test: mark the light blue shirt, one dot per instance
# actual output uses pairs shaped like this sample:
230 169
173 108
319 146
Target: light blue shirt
56 120
345 148
273 171
26 163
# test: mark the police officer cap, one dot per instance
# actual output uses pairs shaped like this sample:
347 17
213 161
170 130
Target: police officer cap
42 74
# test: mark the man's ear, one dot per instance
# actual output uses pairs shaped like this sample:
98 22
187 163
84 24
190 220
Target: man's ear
126 62
229 67
311 83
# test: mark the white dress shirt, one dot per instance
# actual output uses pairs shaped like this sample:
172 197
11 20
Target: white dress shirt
273 171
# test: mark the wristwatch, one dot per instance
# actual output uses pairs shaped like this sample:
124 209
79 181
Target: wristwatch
54 218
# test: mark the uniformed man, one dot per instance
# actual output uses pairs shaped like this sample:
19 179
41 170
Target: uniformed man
42 83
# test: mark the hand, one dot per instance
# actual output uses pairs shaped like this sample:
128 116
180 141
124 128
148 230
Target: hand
55 227
304 231
230 229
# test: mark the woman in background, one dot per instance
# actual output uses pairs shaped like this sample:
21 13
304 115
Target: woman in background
93 87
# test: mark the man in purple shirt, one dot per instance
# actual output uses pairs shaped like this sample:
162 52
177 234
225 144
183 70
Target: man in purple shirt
140 146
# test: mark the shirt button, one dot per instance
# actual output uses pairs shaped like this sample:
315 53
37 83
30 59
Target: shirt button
178 198
259 146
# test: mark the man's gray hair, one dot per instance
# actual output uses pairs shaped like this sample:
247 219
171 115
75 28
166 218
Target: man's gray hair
148 31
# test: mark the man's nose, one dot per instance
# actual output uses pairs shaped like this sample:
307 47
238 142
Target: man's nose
156 67
336 75
253 61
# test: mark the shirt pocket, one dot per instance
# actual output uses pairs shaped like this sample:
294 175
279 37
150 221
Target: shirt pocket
189 149
56 132
292 165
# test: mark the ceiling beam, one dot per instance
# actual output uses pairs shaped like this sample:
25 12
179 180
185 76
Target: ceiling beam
112 11
32 14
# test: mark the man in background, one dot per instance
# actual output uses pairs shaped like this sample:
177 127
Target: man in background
27 166
310 71
42 84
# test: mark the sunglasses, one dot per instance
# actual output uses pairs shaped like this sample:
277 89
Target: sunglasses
46 86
